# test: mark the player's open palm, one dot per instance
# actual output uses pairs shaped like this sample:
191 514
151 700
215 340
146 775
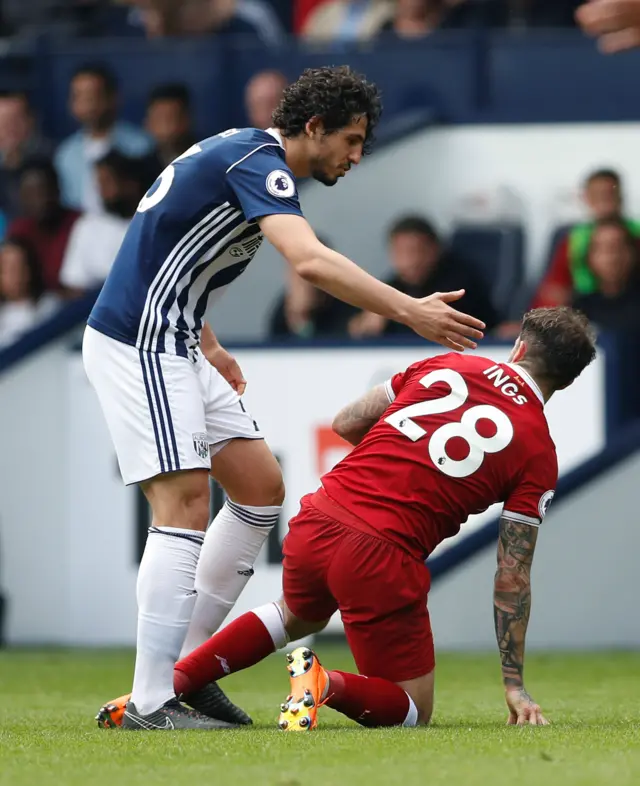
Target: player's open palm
437 321
228 367
523 711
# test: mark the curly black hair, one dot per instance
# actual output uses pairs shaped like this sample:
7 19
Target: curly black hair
336 95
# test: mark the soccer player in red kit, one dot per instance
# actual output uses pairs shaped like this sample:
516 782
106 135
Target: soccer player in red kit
445 439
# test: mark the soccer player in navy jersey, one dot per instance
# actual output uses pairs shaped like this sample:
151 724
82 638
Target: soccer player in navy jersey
171 394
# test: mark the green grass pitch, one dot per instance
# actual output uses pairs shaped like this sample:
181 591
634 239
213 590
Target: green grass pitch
47 735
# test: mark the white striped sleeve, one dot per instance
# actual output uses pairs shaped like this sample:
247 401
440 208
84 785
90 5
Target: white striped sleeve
520 518
388 388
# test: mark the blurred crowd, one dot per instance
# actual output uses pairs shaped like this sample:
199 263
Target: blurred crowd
270 20
593 265
65 207
64 210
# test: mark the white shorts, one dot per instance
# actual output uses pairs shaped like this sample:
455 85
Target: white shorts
164 413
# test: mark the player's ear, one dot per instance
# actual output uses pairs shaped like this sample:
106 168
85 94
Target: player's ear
314 127
519 351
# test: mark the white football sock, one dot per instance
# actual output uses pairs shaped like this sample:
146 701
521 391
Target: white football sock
166 598
231 546
270 615
412 715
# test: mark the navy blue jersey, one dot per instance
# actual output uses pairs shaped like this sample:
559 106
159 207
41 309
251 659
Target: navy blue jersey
194 232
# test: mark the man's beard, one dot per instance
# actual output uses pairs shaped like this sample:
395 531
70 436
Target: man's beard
322 177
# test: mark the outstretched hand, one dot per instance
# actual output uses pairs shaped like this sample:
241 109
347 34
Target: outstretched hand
434 319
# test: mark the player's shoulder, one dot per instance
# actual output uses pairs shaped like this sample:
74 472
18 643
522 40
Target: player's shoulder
452 360
539 463
251 145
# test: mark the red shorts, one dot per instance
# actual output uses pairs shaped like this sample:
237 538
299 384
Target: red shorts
380 590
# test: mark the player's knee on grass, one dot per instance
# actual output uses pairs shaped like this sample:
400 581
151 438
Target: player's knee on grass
421 692
297 628
249 473
179 499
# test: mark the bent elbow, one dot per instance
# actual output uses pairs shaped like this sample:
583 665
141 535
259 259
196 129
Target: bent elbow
346 431
338 426
310 270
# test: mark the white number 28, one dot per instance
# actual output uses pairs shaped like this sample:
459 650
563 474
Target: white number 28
465 428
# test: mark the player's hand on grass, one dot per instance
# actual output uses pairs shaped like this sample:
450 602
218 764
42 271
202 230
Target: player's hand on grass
523 711
435 320
616 23
228 367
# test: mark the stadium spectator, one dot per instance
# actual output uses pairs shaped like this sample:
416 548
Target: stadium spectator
513 14
250 18
58 17
93 18
23 301
569 270
20 16
541 13
93 103
261 17
19 141
96 238
414 19
261 97
44 221
302 10
422 265
304 311
169 123
613 260
346 20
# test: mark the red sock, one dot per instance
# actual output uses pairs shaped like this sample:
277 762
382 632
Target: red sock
242 643
371 701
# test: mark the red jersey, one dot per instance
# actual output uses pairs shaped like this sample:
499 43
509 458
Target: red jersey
460 434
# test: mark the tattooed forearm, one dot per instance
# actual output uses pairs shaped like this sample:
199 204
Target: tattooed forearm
512 596
354 421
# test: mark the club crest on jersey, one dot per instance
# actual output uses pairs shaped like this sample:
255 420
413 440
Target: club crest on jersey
280 184
201 445
545 501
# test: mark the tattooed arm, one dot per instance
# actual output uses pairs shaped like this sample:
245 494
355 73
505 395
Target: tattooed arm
354 421
512 596
511 607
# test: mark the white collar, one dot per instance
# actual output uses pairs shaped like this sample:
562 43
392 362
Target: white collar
528 379
276 135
